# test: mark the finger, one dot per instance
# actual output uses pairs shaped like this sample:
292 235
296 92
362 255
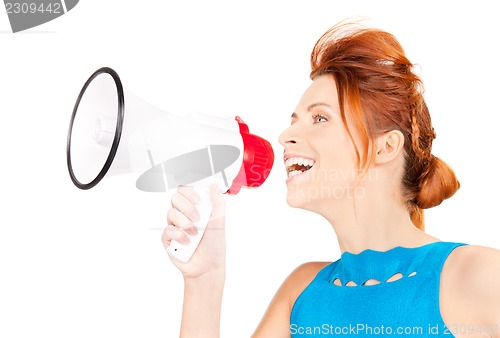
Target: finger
186 206
178 219
218 206
173 233
189 193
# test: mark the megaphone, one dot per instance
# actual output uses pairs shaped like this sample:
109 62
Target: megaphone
114 132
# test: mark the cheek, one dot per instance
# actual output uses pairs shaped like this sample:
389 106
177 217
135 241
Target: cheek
338 153
337 171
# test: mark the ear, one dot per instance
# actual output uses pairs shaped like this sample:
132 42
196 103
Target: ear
389 146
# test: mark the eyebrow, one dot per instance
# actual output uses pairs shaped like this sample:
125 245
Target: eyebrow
311 106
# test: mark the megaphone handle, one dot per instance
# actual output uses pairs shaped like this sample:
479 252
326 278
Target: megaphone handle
183 252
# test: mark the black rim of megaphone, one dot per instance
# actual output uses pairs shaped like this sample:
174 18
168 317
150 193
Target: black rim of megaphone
118 131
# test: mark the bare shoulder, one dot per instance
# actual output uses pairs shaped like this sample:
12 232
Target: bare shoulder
463 257
470 286
297 281
301 277
276 320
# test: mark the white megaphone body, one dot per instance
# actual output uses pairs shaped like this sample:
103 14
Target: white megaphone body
113 132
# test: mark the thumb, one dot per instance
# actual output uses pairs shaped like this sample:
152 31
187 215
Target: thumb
218 207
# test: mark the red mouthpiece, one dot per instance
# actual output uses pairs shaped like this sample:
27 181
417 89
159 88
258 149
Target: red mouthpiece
258 159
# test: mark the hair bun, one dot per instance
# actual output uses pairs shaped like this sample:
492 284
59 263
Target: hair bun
436 184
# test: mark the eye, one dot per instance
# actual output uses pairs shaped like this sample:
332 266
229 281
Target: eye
318 118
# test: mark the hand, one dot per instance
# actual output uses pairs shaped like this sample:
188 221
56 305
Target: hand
209 257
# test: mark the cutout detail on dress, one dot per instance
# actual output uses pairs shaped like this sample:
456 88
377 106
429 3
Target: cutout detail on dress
337 282
371 281
395 277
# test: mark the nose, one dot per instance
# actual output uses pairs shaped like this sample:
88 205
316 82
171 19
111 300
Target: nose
288 136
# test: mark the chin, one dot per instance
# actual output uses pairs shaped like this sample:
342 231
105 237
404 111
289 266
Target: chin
298 199
294 203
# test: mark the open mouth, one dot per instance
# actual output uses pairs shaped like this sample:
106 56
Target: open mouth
298 165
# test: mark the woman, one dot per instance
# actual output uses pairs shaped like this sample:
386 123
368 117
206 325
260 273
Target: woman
357 152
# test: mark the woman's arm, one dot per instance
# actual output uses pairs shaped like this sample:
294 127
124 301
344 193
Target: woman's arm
202 306
204 274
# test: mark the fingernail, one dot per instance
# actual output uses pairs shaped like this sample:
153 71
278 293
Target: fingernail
196 198
184 240
192 231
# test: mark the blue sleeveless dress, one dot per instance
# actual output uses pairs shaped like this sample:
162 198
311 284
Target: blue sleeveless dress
408 306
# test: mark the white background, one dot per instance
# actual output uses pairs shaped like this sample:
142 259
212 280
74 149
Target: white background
90 263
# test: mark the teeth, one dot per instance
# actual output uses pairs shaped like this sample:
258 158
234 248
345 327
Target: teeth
294 172
299 160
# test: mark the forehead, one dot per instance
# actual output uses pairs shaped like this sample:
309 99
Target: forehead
322 89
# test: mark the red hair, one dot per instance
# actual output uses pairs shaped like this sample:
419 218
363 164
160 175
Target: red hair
375 80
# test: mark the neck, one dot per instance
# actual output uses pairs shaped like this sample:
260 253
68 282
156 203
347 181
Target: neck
374 223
